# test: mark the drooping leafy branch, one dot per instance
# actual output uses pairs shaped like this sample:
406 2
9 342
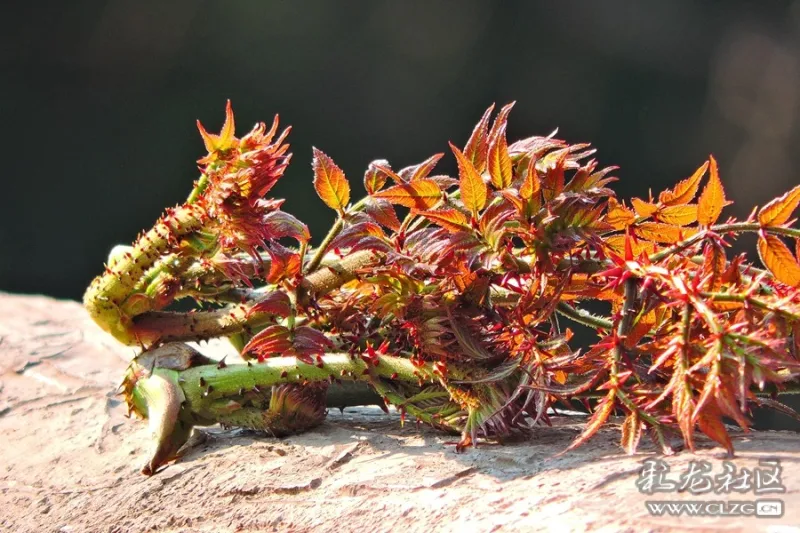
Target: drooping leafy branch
452 310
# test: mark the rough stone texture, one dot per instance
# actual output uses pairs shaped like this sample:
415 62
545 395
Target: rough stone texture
70 461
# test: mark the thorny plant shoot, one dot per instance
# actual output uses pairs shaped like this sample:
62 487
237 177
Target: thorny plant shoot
452 298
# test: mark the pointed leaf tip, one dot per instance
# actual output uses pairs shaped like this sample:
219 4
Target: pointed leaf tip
225 139
531 185
421 194
473 190
329 181
601 413
685 191
780 210
712 199
477 144
780 261
499 161
226 134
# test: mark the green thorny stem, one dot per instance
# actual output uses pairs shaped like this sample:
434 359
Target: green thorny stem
224 240
210 394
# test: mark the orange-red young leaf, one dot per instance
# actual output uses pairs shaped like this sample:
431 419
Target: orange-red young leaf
452 220
642 208
599 417
374 177
685 191
777 257
553 182
473 189
618 215
225 139
477 145
284 263
513 198
617 243
499 160
501 120
423 169
712 199
383 213
683 406
641 327
422 194
274 303
779 210
329 181
531 185
631 432
663 233
711 424
273 341
386 169
714 263
679 215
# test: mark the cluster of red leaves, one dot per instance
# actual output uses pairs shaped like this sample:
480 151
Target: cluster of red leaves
471 273
478 268
239 173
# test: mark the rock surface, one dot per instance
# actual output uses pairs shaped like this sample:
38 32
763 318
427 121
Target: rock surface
71 460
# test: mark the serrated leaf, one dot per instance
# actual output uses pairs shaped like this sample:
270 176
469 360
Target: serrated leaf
471 347
714 262
780 210
383 213
679 215
730 407
477 145
640 328
308 342
444 182
535 145
531 185
642 208
374 177
279 224
685 191
391 173
617 244
272 341
422 170
711 424
712 199
599 417
514 199
330 182
662 233
555 164
274 303
452 220
225 139
780 261
501 120
683 406
618 215
422 194
473 190
284 263
631 432
388 304
354 234
499 162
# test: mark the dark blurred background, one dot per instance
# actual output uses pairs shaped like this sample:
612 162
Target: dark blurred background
98 100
